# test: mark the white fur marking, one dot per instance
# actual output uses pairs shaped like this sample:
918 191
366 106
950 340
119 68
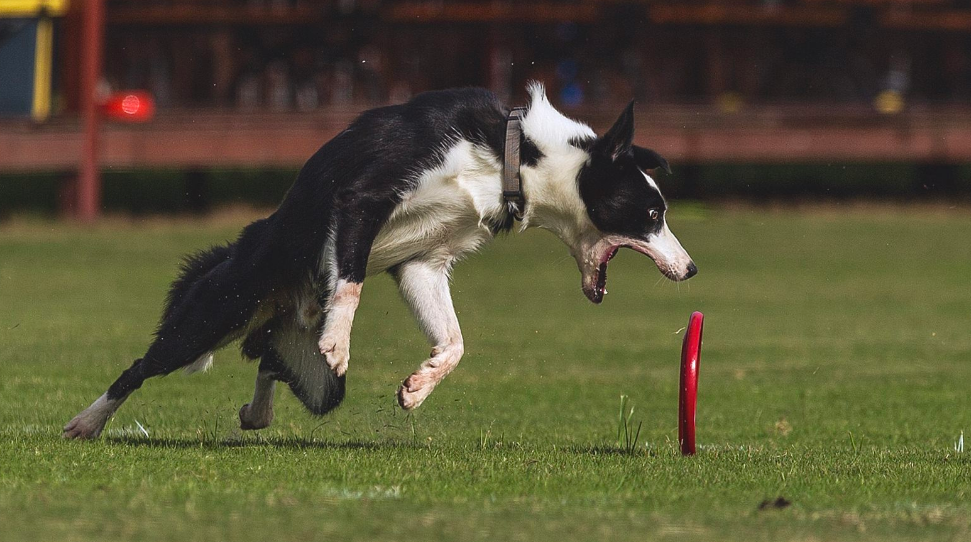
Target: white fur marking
546 127
328 258
671 258
201 365
651 182
552 195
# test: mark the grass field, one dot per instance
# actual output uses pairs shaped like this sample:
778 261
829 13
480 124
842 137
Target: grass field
836 374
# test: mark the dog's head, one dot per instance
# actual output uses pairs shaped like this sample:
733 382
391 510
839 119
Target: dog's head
626 207
596 195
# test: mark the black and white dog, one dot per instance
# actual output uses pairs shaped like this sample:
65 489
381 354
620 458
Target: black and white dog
408 189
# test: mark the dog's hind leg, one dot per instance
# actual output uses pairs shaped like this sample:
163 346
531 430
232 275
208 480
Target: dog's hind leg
424 286
91 421
258 413
288 352
209 312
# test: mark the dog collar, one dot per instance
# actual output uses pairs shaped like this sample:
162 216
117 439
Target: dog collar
512 182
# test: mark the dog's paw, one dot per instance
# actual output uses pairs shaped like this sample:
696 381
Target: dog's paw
250 420
336 353
91 421
84 426
415 389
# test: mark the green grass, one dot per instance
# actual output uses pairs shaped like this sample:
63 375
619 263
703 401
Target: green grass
835 374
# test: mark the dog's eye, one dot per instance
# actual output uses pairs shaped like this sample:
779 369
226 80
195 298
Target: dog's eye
654 214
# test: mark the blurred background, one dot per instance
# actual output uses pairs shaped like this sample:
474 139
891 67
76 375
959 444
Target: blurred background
144 106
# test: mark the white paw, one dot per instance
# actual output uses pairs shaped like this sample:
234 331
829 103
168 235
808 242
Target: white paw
250 420
83 428
336 352
91 421
415 389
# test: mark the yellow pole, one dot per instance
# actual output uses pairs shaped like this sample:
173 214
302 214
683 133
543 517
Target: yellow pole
30 8
43 71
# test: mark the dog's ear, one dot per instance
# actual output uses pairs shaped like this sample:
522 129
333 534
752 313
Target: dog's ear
617 141
650 159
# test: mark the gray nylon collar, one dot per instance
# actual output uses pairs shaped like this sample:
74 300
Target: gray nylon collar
512 182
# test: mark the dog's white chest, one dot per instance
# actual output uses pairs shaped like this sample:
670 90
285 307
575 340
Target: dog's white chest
447 215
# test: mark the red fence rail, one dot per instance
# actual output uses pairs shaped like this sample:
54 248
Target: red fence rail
684 134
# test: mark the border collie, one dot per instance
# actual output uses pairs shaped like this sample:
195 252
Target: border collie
407 189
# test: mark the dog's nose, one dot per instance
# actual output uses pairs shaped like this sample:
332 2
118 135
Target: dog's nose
692 271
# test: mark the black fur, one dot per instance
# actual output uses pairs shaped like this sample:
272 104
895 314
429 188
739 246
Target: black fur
612 185
194 267
648 159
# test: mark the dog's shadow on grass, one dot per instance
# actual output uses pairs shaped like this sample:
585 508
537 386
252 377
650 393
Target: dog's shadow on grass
304 443
283 443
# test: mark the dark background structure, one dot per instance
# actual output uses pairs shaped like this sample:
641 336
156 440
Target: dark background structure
305 55
838 97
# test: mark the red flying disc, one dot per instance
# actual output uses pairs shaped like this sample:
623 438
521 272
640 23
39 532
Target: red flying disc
688 397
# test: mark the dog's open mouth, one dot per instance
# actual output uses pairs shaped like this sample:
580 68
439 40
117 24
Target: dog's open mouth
595 287
601 287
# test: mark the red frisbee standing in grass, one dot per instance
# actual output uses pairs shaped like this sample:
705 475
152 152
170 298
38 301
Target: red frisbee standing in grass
688 395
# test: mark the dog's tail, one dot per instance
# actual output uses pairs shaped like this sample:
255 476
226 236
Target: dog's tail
194 267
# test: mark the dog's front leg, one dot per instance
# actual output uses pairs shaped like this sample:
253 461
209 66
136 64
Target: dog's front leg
335 339
357 221
424 286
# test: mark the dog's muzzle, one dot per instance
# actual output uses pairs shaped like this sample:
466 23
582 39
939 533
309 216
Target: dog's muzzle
663 248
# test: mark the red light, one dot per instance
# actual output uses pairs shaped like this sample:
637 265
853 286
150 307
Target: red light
129 106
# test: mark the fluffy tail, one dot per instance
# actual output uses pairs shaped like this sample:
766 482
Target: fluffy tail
194 267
